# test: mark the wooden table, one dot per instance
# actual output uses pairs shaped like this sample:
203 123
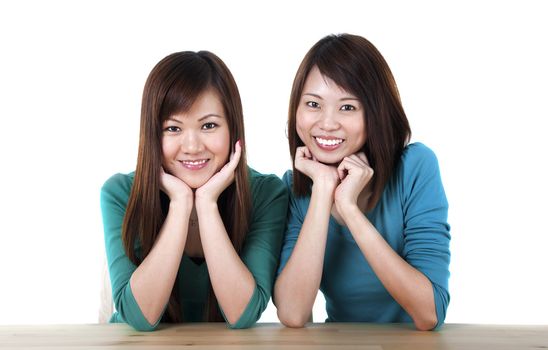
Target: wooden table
339 336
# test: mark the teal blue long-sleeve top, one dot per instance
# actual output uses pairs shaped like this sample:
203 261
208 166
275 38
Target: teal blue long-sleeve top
260 253
411 216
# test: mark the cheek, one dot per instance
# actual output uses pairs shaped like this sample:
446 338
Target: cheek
167 151
302 125
360 134
220 146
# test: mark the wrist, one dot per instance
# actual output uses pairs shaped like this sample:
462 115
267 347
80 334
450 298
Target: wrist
323 193
205 205
347 209
182 206
324 184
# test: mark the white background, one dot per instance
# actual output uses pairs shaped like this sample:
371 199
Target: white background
472 77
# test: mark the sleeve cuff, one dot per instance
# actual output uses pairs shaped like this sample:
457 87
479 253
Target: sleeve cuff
250 314
131 313
441 301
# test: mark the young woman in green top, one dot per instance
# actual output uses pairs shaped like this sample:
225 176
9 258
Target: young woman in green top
193 234
367 218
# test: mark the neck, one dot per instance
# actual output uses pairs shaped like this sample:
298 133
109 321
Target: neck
193 219
193 246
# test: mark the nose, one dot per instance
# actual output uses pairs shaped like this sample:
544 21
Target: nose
328 120
191 142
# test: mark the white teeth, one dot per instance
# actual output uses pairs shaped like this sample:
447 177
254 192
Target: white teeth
325 142
194 162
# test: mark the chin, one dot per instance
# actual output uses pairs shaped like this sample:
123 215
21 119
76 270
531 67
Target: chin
329 160
194 182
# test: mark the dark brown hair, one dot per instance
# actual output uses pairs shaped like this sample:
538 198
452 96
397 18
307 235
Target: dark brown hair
171 88
354 64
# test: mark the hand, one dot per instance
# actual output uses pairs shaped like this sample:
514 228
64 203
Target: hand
355 173
307 164
212 189
175 188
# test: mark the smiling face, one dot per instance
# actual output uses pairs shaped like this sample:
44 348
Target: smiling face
196 143
330 121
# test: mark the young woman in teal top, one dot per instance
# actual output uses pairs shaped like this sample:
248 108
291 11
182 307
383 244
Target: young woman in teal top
193 234
368 214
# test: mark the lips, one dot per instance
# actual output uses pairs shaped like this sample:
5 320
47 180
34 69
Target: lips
194 164
328 143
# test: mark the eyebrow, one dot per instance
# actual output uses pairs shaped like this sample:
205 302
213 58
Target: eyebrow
313 95
342 99
174 119
209 115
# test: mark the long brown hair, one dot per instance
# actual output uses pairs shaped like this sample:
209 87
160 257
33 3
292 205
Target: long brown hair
354 64
171 88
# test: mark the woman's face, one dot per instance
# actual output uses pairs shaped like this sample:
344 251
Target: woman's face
196 144
330 121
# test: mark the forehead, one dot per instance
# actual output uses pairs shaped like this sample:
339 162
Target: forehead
209 99
318 83
207 103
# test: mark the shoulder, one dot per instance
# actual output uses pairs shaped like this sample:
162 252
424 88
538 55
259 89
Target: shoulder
268 193
117 187
288 179
418 154
264 183
119 181
419 172
297 203
417 159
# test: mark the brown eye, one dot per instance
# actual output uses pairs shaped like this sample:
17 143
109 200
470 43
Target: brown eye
348 108
209 126
312 104
172 129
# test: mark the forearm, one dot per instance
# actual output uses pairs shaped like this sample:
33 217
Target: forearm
407 285
231 280
297 285
152 282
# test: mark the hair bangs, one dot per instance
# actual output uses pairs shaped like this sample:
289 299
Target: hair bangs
336 62
188 83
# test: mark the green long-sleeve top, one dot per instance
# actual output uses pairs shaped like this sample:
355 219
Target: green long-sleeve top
260 253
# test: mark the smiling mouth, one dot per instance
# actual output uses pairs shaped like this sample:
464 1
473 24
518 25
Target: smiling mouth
194 164
330 143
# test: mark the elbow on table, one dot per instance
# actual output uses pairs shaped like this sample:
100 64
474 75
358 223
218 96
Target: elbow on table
292 319
241 323
144 328
140 324
427 323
